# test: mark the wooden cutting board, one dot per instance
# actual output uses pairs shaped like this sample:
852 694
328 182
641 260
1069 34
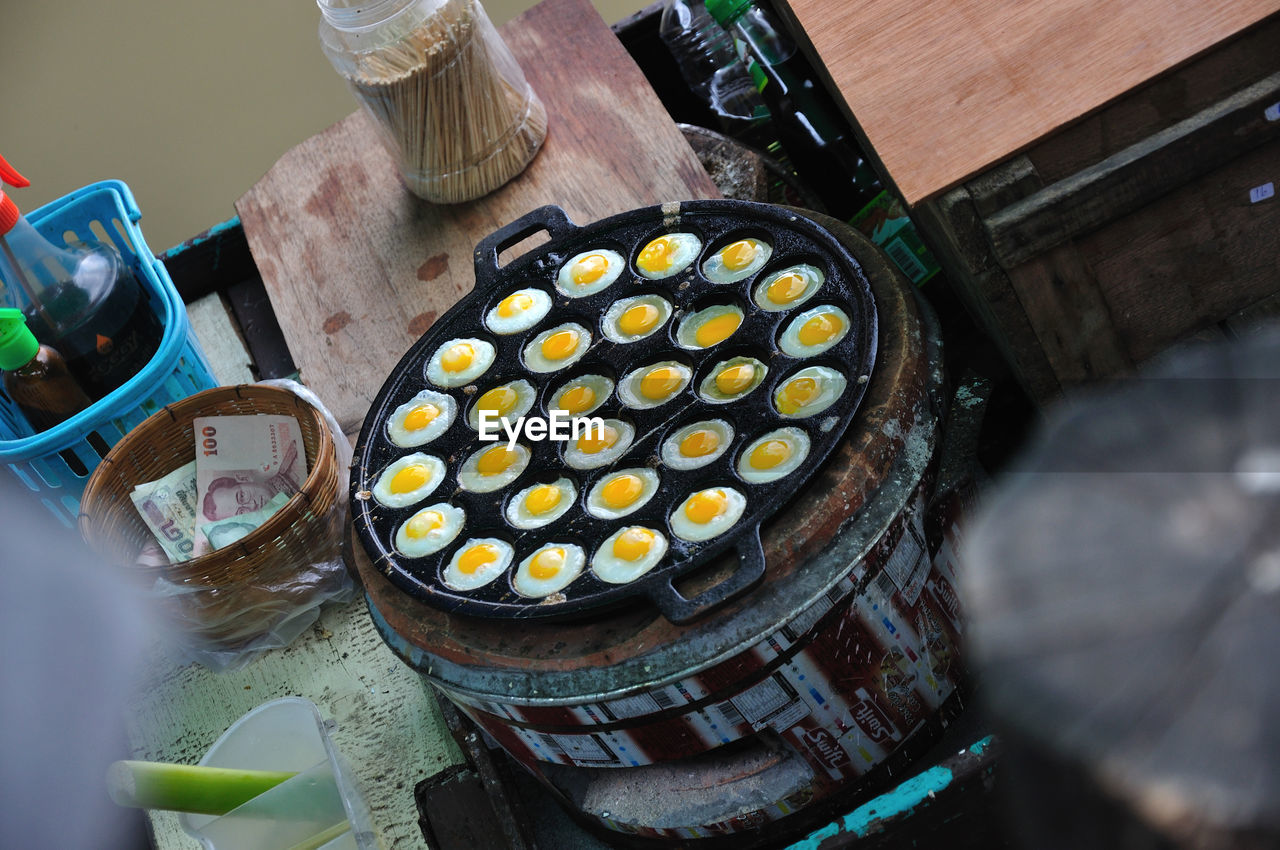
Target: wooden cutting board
943 90
357 268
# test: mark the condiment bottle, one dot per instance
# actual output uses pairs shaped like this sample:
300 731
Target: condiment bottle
35 376
82 299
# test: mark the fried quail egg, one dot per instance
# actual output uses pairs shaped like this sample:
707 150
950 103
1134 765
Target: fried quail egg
596 447
737 260
429 530
557 347
632 319
697 444
589 272
493 467
787 288
581 395
655 384
808 392
814 331
667 255
707 513
773 455
511 401
549 570
620 493
459 361
710 326
477 562
541 504
518 312
421 419
408 480
732 379
628 553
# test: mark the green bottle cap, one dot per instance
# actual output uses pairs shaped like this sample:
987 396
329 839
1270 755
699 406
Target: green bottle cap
727 11
17 344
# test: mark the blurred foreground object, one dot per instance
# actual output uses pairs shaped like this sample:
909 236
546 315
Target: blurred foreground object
1124 592
71 635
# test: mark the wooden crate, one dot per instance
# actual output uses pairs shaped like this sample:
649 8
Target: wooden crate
1137 227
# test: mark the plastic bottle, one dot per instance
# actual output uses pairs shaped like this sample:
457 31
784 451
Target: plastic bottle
81 299
36 376
710 63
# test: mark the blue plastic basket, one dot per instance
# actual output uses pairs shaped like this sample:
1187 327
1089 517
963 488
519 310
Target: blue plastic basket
56 463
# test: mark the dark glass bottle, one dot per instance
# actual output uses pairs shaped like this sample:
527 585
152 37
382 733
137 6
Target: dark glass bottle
35 376
813 133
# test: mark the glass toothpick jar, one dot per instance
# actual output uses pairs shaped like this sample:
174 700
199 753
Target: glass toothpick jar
449 99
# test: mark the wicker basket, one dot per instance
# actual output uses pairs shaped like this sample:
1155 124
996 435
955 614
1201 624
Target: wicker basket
233 594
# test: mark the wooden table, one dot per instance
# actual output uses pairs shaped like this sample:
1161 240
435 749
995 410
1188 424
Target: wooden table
356 270
944 92
1096 179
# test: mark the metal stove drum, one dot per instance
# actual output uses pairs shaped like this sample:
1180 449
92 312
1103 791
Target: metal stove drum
755 703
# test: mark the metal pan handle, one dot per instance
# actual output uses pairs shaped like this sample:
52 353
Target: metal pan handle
678 609
550 218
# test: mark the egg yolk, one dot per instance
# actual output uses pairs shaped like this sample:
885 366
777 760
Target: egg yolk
577 399
633 544
705 506
735 379
589 269
621 490
409 479
476 557
717 329
457 357
496 460
739 255
660 382
423 524
699 443
657 255
542 499
798 393
769 454
820 329
638 319
514 304
500 400
595 441
786 288
547 563
420 417
560 344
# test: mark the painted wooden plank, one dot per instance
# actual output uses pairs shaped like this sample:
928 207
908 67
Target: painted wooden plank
389 728
943 92
357 269
220 341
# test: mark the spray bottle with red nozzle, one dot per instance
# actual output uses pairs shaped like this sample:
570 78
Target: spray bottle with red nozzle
81 298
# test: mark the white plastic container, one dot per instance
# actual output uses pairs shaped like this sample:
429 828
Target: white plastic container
306 811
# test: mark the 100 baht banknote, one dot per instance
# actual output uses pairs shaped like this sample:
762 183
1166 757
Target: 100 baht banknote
241 463
168 507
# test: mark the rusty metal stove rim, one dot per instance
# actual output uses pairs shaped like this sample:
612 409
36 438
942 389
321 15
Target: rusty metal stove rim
857 537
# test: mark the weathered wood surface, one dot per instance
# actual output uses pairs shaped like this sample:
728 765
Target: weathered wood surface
389 729
357 268
945 92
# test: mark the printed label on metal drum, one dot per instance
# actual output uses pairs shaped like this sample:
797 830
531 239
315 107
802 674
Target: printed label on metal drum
909 563
770 703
